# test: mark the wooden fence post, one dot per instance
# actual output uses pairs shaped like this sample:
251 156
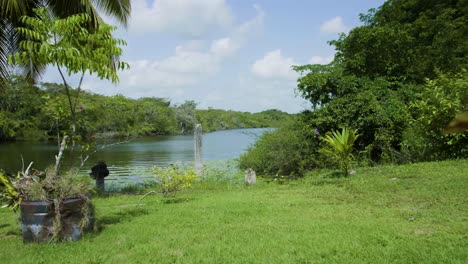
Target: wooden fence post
198 149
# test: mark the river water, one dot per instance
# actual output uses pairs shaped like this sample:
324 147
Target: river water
130 161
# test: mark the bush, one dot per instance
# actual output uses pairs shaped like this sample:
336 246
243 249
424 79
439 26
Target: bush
8 126
437 104
174 179
284 151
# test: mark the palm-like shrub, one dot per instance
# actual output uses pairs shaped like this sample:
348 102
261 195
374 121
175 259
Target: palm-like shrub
9 195
340 146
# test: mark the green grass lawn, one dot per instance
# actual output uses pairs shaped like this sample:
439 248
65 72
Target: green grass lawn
388 214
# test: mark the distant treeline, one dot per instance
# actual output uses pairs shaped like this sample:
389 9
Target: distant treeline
29 112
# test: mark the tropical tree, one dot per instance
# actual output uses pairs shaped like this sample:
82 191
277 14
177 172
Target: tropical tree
186 117
382 68
68 45
11 12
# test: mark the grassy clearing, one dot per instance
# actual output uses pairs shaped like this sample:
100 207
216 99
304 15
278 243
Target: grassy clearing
389 214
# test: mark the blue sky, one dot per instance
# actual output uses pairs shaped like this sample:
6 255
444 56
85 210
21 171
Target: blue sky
228 54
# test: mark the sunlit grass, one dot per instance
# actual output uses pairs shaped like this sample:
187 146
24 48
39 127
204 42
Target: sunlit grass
389 214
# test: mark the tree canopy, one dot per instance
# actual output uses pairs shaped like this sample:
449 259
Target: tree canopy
67 44
407 58
12 11
399 79
408 40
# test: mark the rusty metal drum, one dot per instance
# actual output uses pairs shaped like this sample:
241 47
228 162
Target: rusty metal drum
72 217
37 221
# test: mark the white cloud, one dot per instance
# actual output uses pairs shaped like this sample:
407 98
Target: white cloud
274 66
253 25
226 47
185 67
321 59
191 64
191 18
252 94
334 25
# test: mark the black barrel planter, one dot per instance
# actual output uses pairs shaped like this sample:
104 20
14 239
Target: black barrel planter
72 216
37 220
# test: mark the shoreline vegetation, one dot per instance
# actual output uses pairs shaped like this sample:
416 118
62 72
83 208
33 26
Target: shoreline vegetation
40 113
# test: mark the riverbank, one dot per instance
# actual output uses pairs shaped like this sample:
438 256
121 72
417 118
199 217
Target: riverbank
41 113
129 159
386 214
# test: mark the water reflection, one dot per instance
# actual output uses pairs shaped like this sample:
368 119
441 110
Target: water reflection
130 161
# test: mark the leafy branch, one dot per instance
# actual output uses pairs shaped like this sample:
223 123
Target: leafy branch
67 43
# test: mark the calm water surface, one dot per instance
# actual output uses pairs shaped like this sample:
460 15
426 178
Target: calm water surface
130 161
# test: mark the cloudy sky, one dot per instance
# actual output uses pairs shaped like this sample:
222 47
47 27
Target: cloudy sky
228 54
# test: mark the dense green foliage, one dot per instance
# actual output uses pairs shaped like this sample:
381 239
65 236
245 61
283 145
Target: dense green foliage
20 109
32 113
281 152
407 40
13 11
439 102
67 44
9 195
399 79
387 214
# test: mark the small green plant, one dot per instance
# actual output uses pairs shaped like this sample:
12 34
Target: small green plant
339 147
174 179
171 180
9 194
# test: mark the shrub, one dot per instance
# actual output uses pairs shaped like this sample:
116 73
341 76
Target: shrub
339 147
438 103
174 179
8 126
9 195
284 151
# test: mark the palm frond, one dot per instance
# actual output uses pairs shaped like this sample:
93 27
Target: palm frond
119 9
339 147
10 18
7 41
11 9
11 12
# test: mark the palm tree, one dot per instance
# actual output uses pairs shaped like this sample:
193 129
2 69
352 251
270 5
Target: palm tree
339 147
12 10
